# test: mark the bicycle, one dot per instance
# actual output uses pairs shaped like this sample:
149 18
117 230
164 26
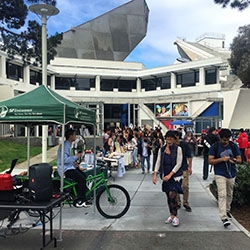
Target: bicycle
112 200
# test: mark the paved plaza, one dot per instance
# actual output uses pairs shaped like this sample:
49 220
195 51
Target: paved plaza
143 226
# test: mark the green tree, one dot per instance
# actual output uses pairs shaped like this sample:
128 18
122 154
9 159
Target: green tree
25 43
241 5
240 56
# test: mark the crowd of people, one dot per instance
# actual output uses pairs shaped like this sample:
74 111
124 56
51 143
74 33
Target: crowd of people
172 156
172 161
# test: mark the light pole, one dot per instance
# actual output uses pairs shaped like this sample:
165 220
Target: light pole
44 11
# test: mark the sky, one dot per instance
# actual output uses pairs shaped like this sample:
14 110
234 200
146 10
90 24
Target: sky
168 20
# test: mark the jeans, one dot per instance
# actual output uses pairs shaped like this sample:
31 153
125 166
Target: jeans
143 158
225 188
135 155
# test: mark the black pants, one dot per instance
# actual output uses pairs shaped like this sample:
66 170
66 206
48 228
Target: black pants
79 177
205 166
243 156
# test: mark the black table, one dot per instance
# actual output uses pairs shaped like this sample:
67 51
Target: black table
43 208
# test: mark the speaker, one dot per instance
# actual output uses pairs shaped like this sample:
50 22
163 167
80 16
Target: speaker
40 182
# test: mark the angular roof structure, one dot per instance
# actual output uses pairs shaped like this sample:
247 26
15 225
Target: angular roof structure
111 36
207 46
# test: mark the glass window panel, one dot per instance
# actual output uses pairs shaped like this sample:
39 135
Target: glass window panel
211 76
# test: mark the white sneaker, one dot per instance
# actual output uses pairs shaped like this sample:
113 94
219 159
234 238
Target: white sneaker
175 222
169 220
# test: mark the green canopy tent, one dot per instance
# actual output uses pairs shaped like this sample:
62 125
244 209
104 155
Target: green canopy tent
43 106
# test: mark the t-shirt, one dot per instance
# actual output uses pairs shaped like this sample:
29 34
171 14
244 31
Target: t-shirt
225 169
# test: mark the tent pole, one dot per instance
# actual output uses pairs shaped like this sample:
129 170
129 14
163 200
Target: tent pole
28 147
94 149
61 182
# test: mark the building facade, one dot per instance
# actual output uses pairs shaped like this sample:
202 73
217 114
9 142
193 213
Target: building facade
192 89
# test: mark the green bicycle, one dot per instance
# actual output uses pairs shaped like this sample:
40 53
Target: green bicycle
112 200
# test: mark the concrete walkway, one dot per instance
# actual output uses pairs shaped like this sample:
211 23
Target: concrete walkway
143 226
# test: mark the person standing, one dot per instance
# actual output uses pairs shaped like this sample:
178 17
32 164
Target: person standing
71 167
145 151
224 155
191 140
208 141
243 144
134 144
186 166
169 166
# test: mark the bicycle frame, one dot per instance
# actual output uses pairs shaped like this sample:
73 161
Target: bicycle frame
99 181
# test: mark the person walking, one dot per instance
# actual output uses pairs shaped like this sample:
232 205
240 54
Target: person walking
224 155
186 166
168 164
71 167
243 144
208 141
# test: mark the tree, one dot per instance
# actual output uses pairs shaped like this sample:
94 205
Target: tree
241 5
26 44
240 56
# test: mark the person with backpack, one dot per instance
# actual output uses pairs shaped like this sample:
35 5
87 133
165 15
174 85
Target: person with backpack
208 140
168 165
224 155
186 166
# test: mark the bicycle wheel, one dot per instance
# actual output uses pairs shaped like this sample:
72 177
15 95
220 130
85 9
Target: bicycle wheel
115 206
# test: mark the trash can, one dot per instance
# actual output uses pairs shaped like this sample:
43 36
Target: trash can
51 140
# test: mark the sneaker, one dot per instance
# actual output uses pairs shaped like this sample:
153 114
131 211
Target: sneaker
84 204
178 206
188 208
169 220
143 172
226 223
229 216
175 222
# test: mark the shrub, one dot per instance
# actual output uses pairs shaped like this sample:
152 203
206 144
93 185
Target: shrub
242 185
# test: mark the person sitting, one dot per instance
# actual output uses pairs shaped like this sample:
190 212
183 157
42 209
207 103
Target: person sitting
71 167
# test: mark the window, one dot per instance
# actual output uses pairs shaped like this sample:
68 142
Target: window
166 82
84 83
35 77
211 76
188 79
149 84
13 71
63 83
121 85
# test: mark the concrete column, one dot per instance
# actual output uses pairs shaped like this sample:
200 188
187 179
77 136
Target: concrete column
202 76
138 84
3 66
217 74
53 82
173 80
26 75
97 83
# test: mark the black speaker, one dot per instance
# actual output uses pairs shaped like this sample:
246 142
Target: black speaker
40 182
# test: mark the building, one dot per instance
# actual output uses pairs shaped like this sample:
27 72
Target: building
195 88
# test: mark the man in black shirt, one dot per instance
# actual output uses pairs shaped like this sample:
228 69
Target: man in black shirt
208 141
